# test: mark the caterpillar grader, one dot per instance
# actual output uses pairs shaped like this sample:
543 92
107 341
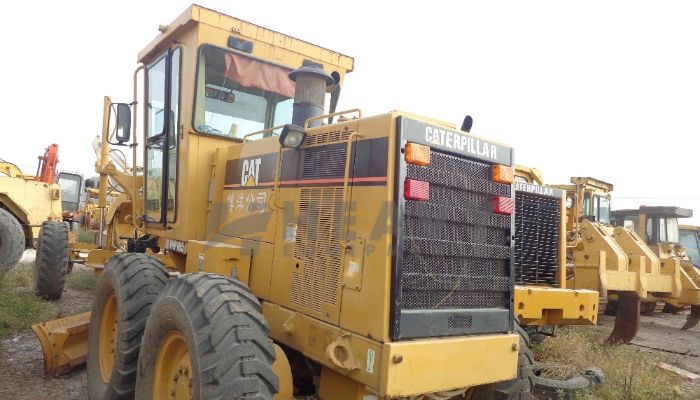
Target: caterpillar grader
271 247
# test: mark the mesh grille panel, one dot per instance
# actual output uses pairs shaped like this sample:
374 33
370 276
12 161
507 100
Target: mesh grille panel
325 163
537 225
456 251
318 230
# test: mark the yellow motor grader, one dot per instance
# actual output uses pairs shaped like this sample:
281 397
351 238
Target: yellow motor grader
540 269
270 248
262 241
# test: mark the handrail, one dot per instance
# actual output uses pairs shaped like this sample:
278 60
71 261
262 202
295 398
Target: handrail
357 110
346 179
247 135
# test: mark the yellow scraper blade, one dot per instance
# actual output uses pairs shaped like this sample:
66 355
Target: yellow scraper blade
64 342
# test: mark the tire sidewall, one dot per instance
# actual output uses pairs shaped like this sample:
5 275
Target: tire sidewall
171 316
106 285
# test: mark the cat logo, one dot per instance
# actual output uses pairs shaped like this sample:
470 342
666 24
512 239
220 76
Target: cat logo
250 172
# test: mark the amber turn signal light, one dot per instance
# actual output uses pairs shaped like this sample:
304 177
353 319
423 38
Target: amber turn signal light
502 174
417 154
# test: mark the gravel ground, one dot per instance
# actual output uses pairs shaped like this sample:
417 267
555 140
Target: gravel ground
21 359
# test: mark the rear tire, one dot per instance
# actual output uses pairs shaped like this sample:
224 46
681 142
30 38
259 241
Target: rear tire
11 240
51 262
125 293
206 338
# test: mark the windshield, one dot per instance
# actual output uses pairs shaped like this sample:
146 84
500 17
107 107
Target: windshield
237 95
603 209
690 242
70 191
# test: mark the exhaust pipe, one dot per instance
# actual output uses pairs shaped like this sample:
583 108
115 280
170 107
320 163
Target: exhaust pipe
309 95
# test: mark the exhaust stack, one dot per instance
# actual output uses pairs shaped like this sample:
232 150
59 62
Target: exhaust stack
309 96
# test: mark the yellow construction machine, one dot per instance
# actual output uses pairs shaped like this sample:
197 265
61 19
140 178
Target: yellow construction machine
616 261
33 209
26 201
658 227
541 294
271 248
689 237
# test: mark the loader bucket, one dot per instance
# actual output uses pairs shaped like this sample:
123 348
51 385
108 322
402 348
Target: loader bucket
626 319
693 318
64 342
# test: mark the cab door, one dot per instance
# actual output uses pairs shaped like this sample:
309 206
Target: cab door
162 136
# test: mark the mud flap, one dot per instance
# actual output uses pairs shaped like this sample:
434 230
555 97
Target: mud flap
64 343
626 319
693 318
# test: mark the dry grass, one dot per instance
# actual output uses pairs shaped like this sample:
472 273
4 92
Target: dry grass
19 306
81 279
630 373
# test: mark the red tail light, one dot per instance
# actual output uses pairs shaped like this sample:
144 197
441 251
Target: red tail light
416 190
502 205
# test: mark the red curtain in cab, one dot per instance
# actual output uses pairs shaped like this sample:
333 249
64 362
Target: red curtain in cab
256 74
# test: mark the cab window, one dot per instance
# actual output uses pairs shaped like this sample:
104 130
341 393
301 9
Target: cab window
603 209
237 94
690 241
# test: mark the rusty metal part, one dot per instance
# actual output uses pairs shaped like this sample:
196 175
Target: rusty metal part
64 343
626 319
693 318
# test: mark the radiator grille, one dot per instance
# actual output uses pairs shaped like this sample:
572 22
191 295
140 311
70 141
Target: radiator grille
537 227
318 231
456 251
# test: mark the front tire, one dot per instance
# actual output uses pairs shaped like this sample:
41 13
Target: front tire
51 262
11 240
206 338
125 293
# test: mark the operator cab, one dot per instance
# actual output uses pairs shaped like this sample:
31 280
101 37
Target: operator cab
70 191
690 238
656 225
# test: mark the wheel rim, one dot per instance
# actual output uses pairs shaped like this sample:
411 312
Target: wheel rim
173 369
108 337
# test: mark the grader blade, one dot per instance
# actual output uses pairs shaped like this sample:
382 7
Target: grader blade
64 342
626 319
693 318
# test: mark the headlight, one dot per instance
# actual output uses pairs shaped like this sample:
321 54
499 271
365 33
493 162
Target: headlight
292 136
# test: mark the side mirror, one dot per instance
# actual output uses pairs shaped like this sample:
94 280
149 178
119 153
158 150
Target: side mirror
123 123
92 183
292 136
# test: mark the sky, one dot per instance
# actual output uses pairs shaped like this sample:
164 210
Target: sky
598 88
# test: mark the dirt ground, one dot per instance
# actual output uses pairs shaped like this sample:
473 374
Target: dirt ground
21 359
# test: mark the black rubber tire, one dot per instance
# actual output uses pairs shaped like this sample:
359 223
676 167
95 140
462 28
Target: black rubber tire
519 388
225 333
12 241
569 389
136 280
51 262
